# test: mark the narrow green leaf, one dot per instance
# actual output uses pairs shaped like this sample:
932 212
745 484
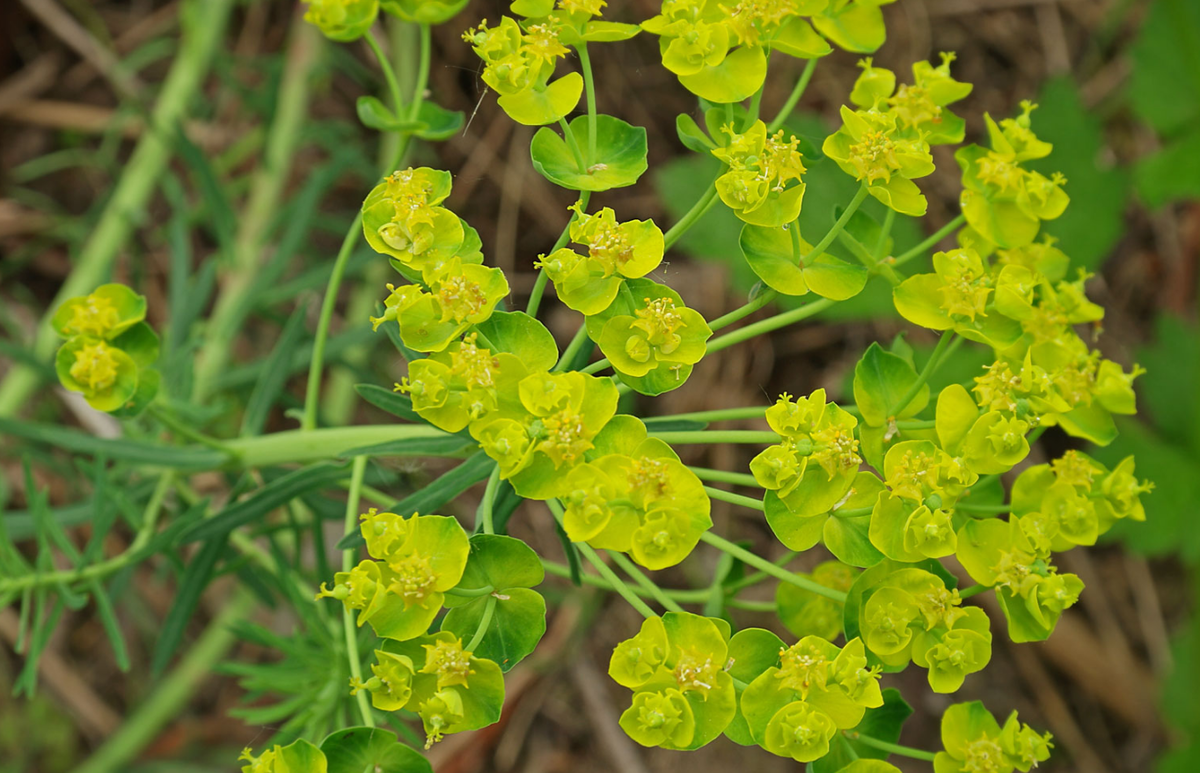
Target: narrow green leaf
385 399
139 452
187 596
108 618
274 374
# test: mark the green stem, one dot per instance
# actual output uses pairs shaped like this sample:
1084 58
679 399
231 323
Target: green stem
840 225
573 145
260 209
757 577
702 205
485 621
974 590
686 437
645 582
164 416
487 506
585 64
893 748
923 377
751 606
418 95
539 285
313 393
204 24
734 499
793 98
763 297
603 569
924 246
767 325
172 694
721 414
349 626
721 476
769 568
298 446
568 356
755 107
564 571
388 74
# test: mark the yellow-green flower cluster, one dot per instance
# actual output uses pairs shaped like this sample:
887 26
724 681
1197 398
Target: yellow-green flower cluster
973 741
348 20
399 592
1004 202
719 50
109 349
763 184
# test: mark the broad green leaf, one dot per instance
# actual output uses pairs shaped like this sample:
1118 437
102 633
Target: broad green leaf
518 333
1170 174
772 256
620 155
360 749
881 379
517 625
736 78
538 106
883 724
438 122
501 562
1165 82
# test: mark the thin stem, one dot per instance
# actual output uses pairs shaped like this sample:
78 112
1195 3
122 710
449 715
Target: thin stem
840 225
767 325
893 748
388 74
764 296
721 476
702 205
793 98
487 506
766 566
734 499
418 95
564 571
317 363
751 606
974 590
572 350
889 219
349 626
931 364
757 577
755 107
645 582
686 437
721 414
585 64
489 609
604 569
539 285
924 246
573 145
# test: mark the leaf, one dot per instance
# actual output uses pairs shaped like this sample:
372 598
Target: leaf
771 256
187 595
385 399
691 135
359 749
375 115
274 374
440 123
112 628
275 494
220 210
1165 82
429 498
136 451
1172 173
881 379
848 540
883 724
736 78
620 155
501 562
1093 222
517 625
518 333
540 106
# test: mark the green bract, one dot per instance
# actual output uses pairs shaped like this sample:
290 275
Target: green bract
682 696
1003 202
804 613
423 11
973 740
419 559
760 168
782 259
871 148
795 708
110 350
615 252
635 496
619 158
342 20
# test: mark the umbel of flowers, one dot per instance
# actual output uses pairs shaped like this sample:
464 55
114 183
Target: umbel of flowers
890 484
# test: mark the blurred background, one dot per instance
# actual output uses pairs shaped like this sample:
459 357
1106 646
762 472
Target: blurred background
1118 82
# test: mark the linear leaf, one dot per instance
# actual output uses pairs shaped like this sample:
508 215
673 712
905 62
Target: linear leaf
150 454
274 374
275 494
395 404
108 618
187 596
434 446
